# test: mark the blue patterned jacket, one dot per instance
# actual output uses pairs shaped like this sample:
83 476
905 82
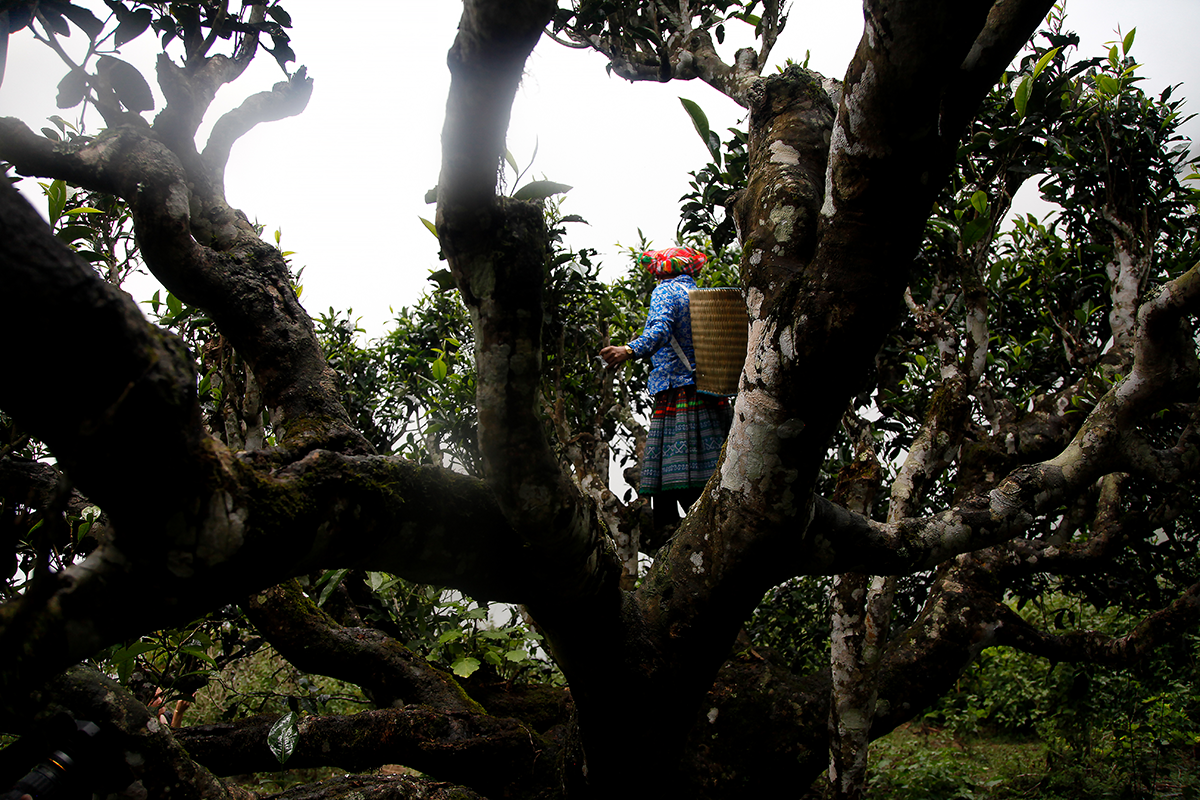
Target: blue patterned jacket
669 313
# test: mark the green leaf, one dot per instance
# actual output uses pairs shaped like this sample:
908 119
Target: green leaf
714 147
73 233
174 304
465 667
197 652
516 656
974 230
443 279
1021 96
699 119
1127 43
979 201
56 198
283 736
1107 86
512 162
329 583
124 657
439 369
432 228
282 53
540 190
1043 61
83 210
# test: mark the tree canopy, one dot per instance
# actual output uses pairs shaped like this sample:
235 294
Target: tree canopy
940 417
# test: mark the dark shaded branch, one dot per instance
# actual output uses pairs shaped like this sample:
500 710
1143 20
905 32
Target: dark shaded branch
240 280
378 787
36 484
144 379
199 527
1009 26
390 673
1093 647
134 746
238 531
484 752
760 727
125 162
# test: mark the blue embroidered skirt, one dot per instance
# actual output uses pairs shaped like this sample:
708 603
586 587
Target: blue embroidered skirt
687 430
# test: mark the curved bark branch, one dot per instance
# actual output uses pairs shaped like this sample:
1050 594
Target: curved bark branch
286 99
680 51
240 280
1096 648
687 56
239 530
390 673
189 92
487 753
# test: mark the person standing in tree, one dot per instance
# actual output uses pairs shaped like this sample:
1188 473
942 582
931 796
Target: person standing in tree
687 428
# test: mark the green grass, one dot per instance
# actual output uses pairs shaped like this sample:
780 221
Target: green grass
926 764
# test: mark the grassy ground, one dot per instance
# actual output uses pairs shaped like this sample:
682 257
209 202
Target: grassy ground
924 764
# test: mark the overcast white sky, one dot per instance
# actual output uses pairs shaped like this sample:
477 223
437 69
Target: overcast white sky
346 180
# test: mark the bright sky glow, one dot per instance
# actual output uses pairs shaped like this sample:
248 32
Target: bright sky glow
346 180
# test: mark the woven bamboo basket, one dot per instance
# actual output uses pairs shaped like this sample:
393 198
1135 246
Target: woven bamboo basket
719 331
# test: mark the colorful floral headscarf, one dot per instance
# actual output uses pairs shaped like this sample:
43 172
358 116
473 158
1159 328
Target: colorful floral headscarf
673 261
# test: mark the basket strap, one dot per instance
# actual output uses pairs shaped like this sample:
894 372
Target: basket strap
683 359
